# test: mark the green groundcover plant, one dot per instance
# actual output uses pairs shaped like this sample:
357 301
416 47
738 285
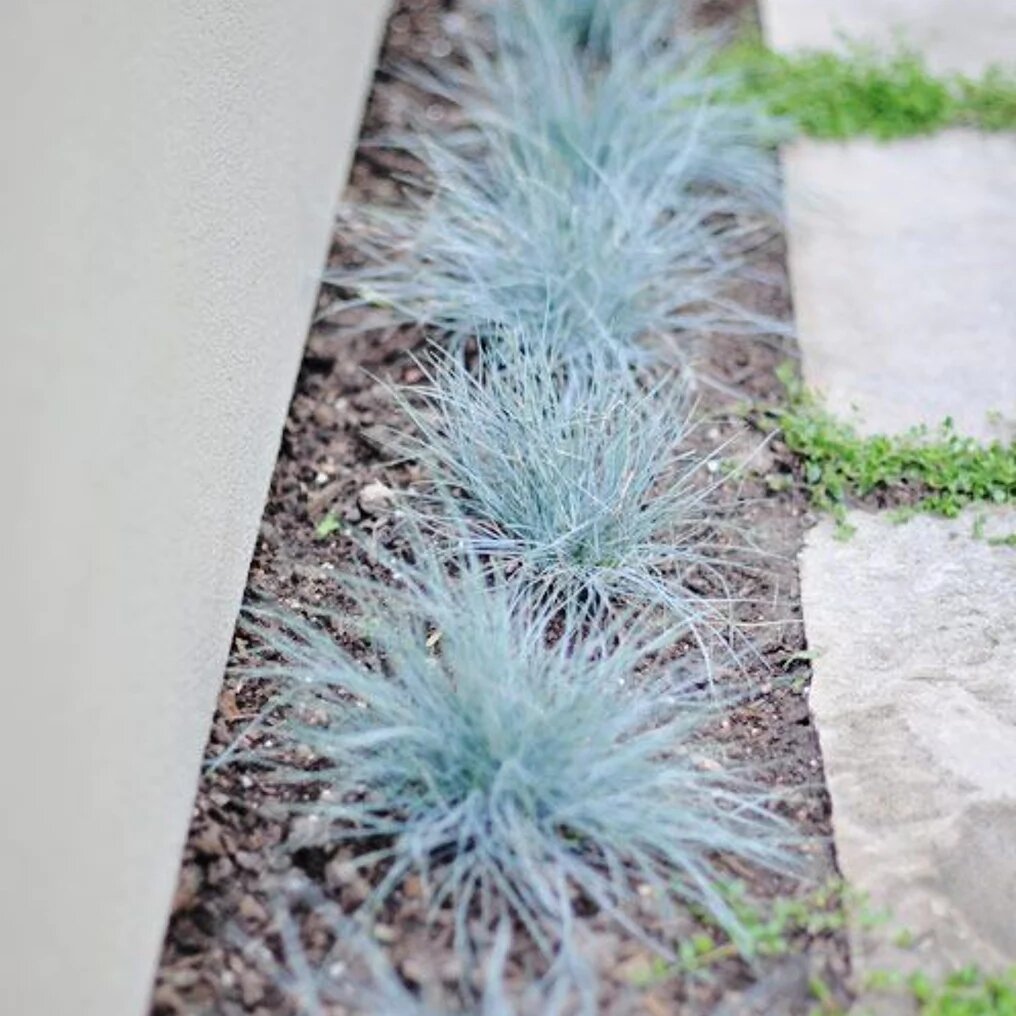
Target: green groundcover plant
967 992
941 471
860 89
515 760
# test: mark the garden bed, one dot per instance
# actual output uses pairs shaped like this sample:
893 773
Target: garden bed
325 486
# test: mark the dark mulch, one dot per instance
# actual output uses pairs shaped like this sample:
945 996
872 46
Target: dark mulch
329 454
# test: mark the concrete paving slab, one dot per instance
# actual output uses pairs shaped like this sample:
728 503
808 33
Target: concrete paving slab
903 259
960 35
914 697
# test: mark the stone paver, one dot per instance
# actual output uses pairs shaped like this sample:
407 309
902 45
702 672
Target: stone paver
914 696
961 35
903 260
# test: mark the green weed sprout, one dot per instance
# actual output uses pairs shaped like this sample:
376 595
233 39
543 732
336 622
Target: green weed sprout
942 470
860 89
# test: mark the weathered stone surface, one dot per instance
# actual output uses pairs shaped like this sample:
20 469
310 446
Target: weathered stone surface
914 696
902 260
960 35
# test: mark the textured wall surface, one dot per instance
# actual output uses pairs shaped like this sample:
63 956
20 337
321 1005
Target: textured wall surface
167 184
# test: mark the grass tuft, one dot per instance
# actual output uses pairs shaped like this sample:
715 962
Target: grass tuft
342 966
515 762
614 196
588 25
584 484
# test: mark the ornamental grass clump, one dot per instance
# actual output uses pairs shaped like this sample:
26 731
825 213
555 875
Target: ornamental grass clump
581 481
518 763
613 196
652 103
343 966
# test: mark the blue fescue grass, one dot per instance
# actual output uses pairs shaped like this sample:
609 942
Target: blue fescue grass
585 24
508 757
614 196
650 104
354 973
582 482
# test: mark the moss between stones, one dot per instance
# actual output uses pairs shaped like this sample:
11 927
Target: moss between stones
931 470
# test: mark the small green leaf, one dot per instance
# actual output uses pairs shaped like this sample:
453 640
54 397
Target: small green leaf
328 525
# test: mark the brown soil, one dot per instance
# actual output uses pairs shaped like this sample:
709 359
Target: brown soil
329 453
726 14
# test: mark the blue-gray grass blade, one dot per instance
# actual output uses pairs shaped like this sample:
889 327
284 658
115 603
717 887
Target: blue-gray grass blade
582 481
355 973
528 758
618 195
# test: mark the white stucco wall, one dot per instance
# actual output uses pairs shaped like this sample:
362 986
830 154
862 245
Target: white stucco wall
168 175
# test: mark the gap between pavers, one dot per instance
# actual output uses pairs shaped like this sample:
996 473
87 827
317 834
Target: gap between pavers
914 697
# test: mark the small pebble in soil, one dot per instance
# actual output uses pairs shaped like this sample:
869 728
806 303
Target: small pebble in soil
376 499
